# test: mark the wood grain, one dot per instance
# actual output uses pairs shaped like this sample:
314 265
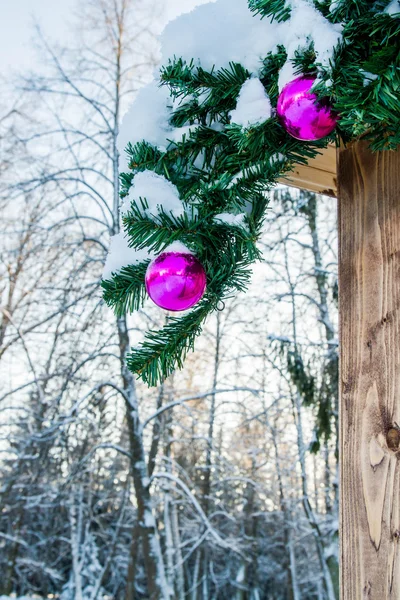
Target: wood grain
318 176
369 275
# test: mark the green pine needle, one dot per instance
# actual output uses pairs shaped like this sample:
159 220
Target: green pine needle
220 167
125 292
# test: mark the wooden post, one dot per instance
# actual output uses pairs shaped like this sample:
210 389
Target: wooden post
369 272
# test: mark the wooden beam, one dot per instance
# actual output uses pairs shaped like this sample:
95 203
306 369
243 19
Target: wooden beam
369 274
318 176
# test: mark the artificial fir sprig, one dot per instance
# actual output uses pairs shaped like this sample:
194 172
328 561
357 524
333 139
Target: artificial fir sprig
126 292
238 168
221 167
165 350
277 9
205 235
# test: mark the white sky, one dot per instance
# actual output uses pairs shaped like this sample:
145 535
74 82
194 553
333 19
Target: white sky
16 28
17 18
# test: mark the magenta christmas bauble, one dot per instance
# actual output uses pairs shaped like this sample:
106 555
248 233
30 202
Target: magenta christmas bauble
175 280
301 113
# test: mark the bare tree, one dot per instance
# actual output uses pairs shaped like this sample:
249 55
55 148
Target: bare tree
201 488
82 94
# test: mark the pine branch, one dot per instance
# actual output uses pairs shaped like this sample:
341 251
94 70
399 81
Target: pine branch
206 236
125 292
218 166
271 8
165 350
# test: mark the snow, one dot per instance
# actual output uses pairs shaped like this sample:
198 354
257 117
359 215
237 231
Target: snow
279 338
241 575
210 529
224 31
157 191
213 35
331 550
174 8
178 247
335 525
306 24
286 74
334 5
139 465
393 8
216 34
229 219
148 119
368 77
253 105
120 255
159 194
148 519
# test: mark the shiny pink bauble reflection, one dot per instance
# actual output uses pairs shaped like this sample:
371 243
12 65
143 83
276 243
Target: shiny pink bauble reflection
175 280
301 113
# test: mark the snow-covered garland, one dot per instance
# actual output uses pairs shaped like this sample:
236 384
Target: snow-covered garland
203 144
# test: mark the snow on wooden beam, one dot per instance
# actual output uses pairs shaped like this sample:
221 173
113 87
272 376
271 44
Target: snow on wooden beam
320 175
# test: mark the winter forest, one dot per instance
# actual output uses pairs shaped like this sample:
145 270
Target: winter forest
219 484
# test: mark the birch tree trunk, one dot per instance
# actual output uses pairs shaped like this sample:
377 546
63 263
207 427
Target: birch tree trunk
76 538
153 558
293 589
297 406
311 516
175 573
206 488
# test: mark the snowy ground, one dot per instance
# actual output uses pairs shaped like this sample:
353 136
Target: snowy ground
13 597
20 597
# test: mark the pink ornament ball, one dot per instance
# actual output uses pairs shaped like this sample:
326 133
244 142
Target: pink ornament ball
301 113
175 281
